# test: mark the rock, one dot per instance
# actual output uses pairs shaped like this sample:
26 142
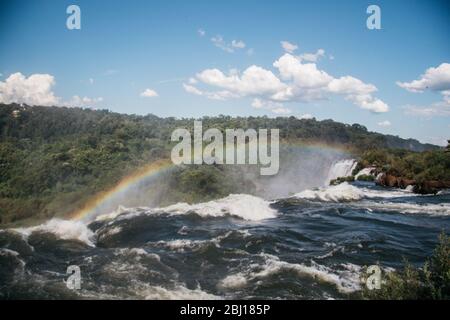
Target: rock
404 182
381 179
426 187
391 181
431 187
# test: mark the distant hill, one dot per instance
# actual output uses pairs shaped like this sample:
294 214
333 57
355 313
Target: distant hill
50 123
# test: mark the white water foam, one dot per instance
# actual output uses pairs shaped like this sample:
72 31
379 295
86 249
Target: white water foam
180 245
345 192
442 209
8 252
341 192
348 192
138 253
346 279
178 293
244 206
63 229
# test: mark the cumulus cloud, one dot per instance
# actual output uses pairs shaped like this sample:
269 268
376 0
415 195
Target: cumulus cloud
149 93
34 90
213 95
295 81
37 90
288 47
385 123
253 81
436 80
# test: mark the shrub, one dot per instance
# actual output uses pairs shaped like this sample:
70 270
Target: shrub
430 282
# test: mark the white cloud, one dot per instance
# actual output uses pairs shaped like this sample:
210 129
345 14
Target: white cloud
305 116
149 93
34 90
253 81
437 109
296 81
434 79
385 123
213 95
219 42
78 101
91 80
275 107
192 80
312 57
262 104
238 44
191 89
288 47
201 32
305 77
308 83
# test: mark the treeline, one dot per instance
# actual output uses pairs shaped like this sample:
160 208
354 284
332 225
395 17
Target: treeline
430 165
51 123
52 159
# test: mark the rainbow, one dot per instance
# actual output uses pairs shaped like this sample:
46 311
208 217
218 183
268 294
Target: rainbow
93 206
151 170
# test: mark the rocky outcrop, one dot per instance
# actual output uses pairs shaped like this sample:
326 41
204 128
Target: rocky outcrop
432 186
425 187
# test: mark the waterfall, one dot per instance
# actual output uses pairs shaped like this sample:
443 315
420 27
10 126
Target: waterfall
341 168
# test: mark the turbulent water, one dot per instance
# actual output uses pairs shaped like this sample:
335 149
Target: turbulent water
311 245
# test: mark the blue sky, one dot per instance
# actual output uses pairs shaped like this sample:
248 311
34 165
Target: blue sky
125 48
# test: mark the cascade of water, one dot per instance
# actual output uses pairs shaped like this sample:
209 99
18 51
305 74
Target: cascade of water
341 168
